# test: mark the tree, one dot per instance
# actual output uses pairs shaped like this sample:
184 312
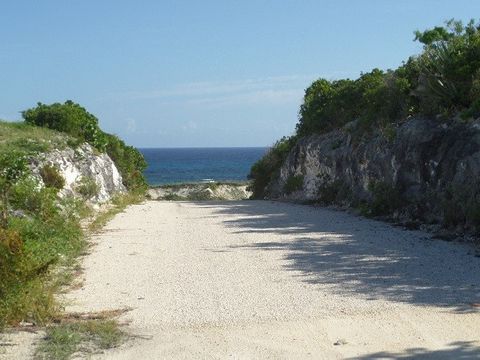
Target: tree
449 67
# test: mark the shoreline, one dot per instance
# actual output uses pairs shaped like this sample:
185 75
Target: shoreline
205 182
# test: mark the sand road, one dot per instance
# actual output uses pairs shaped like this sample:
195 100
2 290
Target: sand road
269 280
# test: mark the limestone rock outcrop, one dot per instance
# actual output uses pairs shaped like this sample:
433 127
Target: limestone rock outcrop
424 169
79 166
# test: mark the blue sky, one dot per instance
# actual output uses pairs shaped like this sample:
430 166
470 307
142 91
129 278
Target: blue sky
200 73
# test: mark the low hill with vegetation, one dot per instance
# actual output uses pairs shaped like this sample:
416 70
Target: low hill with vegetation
40 228
72 119
368 120
201 191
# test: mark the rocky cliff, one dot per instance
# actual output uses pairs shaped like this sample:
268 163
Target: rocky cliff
422 171
87 173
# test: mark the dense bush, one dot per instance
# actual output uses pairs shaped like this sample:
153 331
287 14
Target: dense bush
385 199
263 171
73 119
69 118
129 161
293 183
376 97
442 81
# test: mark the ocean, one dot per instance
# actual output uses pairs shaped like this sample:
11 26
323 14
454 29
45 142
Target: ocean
181 165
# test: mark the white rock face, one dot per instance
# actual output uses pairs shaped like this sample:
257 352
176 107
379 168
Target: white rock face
77 164
204 191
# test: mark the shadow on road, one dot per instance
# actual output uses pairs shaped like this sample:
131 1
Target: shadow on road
462 350
366 257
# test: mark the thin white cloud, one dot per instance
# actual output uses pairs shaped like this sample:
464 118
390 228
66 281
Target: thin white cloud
189 126
271 96
131 125
220 87
269 90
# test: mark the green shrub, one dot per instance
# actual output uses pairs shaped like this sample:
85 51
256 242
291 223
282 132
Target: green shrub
265 169
461 206
129 161
373 98
385 199
33 199
51 177
389 132
328 192
293 183
87 187
69 118
13 167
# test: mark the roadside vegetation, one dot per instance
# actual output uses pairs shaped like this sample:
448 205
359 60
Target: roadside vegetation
443 82
41 232
37 229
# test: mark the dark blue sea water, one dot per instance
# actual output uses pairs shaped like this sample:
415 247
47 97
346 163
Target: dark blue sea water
180 165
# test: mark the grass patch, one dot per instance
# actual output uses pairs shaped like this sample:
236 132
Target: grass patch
18 136
86 336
